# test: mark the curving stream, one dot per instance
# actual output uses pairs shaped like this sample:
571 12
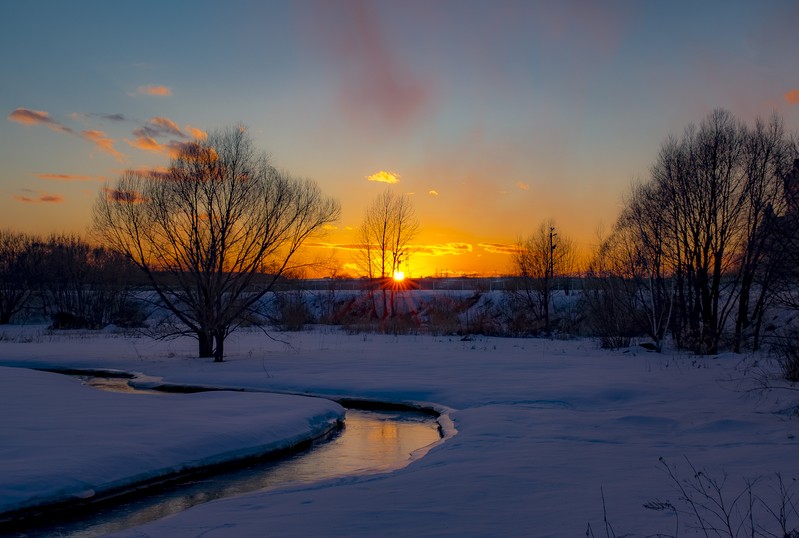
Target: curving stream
369 442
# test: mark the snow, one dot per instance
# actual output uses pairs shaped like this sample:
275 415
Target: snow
540 429
64 440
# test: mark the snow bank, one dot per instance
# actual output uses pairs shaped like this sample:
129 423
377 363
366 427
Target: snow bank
543 427
63 440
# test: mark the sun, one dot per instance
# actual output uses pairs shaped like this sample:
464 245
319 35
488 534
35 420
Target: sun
399 276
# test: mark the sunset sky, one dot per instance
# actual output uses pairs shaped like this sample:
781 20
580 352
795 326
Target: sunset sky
493 116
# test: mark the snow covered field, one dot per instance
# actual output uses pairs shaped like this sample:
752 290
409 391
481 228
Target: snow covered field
544 428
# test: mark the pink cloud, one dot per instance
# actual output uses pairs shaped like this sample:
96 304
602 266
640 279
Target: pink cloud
153 89
36 197
375 85
792 97
26 116
103 143
195 133
159 126
146 143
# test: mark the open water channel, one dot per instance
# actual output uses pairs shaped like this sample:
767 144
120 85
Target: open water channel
369 442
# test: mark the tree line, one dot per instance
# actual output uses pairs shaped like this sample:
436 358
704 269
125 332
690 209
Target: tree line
708 243
66 279
702 251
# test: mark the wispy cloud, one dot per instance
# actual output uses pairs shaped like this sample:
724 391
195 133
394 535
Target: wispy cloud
337 246
194 132
159 126
792 97
26 116
432 192
148 143
384 177
499 248
445 249
69 177
162 127
38 197
376 86
154 89
103 143
522 185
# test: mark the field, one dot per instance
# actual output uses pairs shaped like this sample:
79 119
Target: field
544 437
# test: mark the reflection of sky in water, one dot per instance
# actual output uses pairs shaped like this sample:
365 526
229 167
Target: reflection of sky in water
370 442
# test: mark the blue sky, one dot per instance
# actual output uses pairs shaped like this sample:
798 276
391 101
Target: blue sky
494 115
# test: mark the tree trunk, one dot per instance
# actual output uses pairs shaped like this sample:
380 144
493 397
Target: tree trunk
219 351
206 344
742 320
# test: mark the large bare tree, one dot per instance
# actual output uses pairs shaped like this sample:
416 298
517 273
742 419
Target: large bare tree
388 227
215 233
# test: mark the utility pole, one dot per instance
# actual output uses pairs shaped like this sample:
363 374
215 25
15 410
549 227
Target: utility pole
549 276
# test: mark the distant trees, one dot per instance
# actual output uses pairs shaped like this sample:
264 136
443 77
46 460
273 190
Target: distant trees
215 233
389 225
15 273
81 285
539 261
66 279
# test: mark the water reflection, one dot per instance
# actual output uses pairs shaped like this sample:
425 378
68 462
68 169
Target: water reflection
371 441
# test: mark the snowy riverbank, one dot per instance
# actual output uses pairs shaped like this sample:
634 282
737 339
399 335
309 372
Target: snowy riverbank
542 426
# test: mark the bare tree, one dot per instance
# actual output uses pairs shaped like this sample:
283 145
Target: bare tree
540 260
388 227
215 234
636 253
767 160
15 285
702 226
701 177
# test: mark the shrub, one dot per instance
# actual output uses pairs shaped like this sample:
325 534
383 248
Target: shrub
441 315
786 350
293 313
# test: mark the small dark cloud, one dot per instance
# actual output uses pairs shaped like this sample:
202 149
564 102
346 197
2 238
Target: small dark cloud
66 177
111 117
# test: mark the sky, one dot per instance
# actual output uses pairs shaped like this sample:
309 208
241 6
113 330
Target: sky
492 116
